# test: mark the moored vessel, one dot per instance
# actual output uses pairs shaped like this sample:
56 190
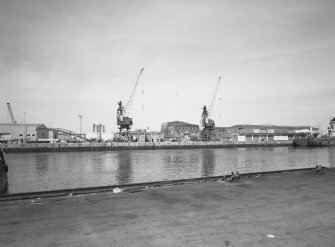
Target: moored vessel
318 140
3 173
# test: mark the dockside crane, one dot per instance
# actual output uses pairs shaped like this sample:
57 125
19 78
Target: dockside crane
124 122
11 114
207 123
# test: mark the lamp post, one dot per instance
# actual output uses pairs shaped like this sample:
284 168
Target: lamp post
80 121
25 128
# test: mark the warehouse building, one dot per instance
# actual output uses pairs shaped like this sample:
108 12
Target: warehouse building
225 134
99 133
179 131
254 133
19 132
58 134
142 135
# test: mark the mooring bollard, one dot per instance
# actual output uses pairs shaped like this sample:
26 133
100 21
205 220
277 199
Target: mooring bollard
234 175
320 168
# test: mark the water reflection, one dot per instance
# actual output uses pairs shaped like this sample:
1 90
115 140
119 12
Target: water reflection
208 162
178 164
246 165
97 162
174 164
42 164
50 171
124 173
331 157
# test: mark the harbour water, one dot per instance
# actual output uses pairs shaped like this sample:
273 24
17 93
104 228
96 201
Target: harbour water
30 172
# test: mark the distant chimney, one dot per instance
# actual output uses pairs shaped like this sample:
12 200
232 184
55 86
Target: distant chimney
94 126
99 130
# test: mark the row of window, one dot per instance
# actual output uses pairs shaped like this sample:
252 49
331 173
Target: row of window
187 129
28 135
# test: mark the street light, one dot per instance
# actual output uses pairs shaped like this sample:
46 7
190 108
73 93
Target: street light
25 128
80 119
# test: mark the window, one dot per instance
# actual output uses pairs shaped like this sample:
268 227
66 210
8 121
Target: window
20 134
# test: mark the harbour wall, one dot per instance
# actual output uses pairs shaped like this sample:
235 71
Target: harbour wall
138 186
109 146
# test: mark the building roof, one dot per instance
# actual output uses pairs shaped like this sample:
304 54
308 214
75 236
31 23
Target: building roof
254 126
21 124
223 128
176 123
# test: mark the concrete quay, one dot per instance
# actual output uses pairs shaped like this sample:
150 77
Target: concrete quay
107 146
279 209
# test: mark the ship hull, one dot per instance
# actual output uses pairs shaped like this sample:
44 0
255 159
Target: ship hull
313 142
3 182
3 173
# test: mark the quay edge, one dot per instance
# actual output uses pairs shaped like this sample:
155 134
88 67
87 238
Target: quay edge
110 146
138 186
293 209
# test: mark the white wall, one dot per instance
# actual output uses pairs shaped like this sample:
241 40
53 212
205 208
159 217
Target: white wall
241 138
280 138
107 136
5 137
104 136
19 131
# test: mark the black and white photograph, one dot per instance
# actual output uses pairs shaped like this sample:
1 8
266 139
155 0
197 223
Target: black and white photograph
167 123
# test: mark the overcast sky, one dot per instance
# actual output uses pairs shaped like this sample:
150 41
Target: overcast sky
59 59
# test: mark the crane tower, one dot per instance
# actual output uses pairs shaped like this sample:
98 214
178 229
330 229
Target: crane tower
11 114
124 122
207 123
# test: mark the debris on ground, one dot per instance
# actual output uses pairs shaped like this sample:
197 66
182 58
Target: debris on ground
320 168
234 176
117 190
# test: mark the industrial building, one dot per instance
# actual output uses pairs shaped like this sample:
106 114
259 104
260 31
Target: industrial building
30 132
179 131
57 134
142 135
18 132
99 133
43 132
254 133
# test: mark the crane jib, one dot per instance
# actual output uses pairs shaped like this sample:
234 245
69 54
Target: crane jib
131 99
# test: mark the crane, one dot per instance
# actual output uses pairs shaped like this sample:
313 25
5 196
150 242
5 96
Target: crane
124 122
11 113
207 123
211 106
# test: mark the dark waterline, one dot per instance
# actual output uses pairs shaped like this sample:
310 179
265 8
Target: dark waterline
50 171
